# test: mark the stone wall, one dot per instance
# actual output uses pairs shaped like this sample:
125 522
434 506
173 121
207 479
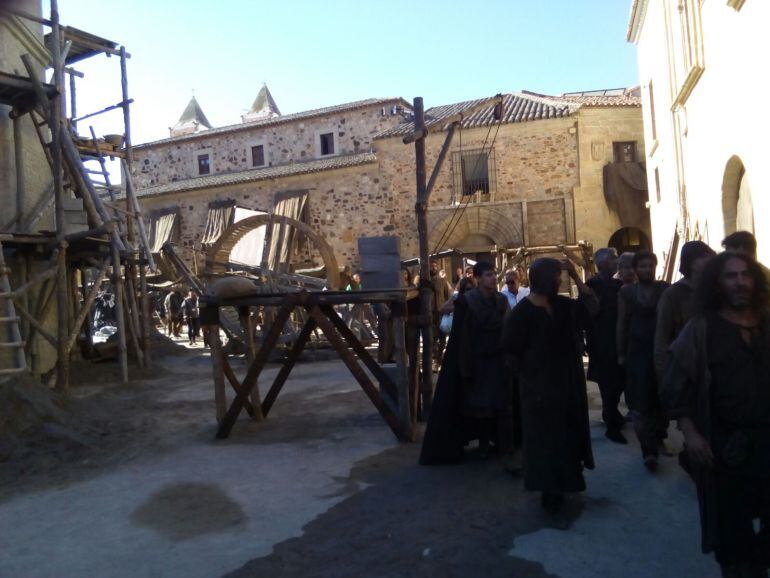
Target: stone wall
17 37
284 142
598 128
343 205
542 182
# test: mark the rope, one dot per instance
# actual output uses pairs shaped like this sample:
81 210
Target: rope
460 210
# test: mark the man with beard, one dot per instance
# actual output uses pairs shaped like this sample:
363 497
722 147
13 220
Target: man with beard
717 385
637 317
677 302
603 365
544 334
472 398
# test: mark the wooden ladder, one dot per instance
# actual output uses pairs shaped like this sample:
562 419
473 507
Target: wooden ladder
9 319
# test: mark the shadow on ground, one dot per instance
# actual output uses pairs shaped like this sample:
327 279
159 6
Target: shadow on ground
401 519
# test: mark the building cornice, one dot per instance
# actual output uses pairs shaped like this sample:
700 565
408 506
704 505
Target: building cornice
636 20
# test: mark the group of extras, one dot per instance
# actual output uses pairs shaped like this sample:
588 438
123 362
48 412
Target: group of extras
176 311
696 352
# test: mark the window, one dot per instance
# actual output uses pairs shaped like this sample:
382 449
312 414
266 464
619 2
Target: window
657 183
474 174
258 156
327 143
204 166
624 152
652 113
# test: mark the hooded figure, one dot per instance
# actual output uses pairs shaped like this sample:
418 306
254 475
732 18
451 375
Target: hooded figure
544 334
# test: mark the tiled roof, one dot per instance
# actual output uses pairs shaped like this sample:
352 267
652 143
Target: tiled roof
614 97
280 120
520 107
517 107
208 181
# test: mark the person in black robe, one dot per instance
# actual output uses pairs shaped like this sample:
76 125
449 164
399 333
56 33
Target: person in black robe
544 334
603 365
637 320
472 398
716 384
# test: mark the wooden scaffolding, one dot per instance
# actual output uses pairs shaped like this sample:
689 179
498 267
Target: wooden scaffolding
113 244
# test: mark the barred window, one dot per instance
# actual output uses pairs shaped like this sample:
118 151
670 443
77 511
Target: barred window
474 173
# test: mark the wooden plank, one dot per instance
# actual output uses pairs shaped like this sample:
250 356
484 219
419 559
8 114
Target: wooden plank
217 355
408 421
363 354
234 383
260 360
288 365
363 379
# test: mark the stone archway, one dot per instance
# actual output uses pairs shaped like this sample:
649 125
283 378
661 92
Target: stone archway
737 205
474 223
629 240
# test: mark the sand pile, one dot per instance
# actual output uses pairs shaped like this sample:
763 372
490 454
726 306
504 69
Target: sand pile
27 411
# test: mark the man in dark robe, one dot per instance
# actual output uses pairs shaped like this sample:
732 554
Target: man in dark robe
637 317
677 302
472 399
544 334
603 365
717 385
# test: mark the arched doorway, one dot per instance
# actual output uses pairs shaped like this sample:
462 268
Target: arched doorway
629 240
737 206
478 225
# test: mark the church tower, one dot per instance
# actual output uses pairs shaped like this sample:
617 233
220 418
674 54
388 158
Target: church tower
192 120
264 107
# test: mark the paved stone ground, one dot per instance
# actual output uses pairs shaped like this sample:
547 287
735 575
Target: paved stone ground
322 489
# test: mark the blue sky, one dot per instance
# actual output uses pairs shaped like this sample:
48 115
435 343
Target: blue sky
320 53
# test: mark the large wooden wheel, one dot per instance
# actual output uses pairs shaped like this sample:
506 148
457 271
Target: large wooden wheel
218 256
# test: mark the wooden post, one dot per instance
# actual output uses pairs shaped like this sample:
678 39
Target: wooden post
426 288
73 102
117 280
133 322
220 395
402 381
244 314
62 311
146 326
19 162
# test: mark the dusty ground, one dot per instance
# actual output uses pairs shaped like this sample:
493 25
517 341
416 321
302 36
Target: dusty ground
137 486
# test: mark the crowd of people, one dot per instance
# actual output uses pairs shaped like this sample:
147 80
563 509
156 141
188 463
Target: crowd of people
696 352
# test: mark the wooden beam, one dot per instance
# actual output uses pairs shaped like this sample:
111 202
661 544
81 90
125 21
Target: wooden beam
250 381
349 359
385 381
288 365
236 385
217 367
49 337
89 301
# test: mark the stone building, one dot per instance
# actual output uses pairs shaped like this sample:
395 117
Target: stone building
534 178
699 65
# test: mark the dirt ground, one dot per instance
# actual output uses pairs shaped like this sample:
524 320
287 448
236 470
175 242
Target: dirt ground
129 481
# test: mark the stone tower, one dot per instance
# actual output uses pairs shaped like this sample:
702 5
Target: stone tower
263 107
192 120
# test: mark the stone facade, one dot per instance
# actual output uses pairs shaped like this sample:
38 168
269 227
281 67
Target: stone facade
17 37
598 129
536 171
284 140
699 62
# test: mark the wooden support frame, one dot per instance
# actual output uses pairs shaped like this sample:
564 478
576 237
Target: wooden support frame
320 315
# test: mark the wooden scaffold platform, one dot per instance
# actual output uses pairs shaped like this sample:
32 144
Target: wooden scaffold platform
111 242
395 400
